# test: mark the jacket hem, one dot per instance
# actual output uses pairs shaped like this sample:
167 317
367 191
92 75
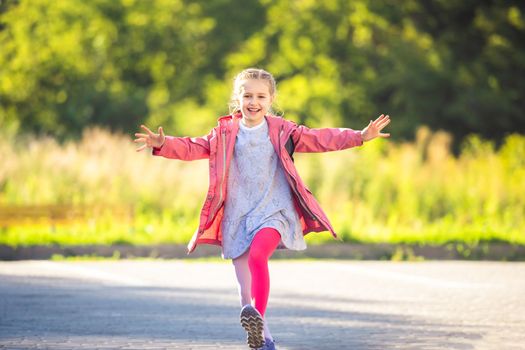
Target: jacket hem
193 246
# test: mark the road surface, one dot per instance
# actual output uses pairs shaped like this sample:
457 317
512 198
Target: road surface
182 304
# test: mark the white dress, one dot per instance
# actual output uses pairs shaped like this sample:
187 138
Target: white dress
258 195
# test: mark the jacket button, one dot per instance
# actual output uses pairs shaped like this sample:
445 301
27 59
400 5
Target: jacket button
210 196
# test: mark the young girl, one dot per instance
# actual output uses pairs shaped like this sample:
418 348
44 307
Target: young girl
256 200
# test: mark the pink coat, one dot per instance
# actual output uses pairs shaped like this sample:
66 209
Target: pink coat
218 145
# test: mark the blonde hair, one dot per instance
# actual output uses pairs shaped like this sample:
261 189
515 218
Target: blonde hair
247 74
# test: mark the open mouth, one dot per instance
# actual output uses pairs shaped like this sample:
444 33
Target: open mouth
254 110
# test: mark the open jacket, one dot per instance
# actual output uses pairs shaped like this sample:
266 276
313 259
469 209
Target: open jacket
286 137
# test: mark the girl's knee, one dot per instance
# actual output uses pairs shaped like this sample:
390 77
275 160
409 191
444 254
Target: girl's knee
256 257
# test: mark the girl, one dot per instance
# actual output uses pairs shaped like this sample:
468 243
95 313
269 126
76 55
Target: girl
256 200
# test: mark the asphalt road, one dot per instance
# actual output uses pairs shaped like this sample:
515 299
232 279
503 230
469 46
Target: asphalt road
178 304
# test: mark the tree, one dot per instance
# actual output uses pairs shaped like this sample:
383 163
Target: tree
68 64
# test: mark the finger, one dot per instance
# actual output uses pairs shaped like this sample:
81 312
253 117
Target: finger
150 133
141 148
141 135
383 124
161 131
140 140
383 120
384 135
380 118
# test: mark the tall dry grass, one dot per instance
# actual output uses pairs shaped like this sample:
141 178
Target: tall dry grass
381 192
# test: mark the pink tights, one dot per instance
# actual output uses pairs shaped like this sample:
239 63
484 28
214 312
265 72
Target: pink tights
251 269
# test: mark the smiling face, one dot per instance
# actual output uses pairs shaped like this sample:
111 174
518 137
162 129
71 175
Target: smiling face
255 100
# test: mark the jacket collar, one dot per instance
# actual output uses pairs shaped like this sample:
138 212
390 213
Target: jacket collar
230 124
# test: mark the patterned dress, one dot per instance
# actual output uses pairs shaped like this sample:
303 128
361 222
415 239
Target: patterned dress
258 195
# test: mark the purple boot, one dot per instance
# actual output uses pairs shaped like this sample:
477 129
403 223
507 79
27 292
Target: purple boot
268 344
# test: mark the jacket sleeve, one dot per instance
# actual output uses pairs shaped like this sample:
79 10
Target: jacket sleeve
185 148
324 139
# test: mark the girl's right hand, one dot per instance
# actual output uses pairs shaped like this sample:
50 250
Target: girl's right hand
150 139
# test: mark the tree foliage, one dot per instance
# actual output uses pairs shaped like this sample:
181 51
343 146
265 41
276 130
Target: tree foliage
452 65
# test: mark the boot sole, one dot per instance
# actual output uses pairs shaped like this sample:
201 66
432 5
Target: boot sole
253 324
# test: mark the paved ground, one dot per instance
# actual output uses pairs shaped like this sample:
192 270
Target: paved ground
313 305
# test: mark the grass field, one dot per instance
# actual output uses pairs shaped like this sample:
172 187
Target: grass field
382 192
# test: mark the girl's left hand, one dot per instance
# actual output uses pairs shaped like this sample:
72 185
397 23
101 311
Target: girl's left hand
373 129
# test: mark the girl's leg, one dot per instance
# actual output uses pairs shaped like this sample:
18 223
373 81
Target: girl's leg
244 278
263 245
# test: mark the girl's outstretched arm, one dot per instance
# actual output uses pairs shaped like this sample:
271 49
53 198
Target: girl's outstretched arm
183 148
334 139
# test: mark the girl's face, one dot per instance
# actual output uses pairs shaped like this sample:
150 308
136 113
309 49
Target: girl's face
255 100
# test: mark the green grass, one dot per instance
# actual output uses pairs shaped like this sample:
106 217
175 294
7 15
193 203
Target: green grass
383 192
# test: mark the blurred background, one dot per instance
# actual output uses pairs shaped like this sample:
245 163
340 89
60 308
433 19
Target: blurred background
77 78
